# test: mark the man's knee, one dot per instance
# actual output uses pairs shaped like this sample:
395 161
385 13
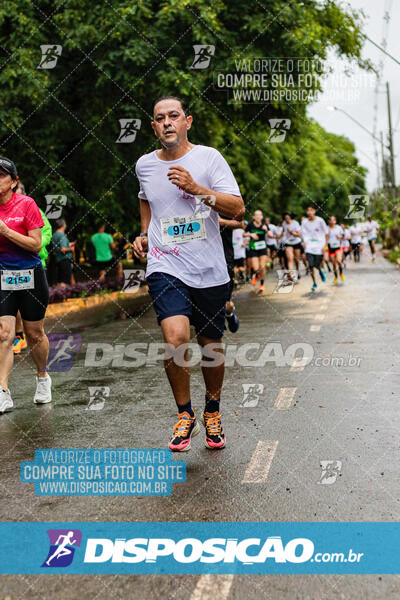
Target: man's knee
6 333
34 336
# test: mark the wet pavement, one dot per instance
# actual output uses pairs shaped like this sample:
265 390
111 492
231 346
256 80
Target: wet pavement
325 411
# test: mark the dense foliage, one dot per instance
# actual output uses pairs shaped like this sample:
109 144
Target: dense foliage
61 125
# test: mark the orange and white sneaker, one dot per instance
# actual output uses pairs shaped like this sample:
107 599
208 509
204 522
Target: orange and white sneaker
261 289
215 437
19 344
254 280
185 428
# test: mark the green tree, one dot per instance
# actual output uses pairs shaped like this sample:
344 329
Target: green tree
61 124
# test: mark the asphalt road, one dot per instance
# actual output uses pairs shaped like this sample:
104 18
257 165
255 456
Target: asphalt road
271 468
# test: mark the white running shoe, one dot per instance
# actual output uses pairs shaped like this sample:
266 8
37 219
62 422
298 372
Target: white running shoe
5 401
43 390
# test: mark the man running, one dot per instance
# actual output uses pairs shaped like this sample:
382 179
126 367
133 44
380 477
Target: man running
371 229
227 227
356 239
315 235
23 283
335 236
272 244
292 241
256 231
183 187
239 254
345 242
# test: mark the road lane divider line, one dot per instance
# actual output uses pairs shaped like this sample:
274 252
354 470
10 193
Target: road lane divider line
260 462
319 317
284 398
207 585
297 365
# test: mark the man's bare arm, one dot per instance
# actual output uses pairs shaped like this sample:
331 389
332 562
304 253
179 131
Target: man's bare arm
140 245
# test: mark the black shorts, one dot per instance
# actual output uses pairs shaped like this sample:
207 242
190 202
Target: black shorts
64 271
104 265
239 262
298 246
258 253
205 307
314 260
281 252
32 303
334 250
355 246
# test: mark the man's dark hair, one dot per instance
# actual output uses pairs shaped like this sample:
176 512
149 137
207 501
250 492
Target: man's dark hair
311 206
60 223
182 102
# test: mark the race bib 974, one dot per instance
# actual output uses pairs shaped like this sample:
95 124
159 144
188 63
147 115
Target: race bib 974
177 230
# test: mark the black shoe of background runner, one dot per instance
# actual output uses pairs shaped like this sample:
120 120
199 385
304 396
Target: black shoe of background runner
233 322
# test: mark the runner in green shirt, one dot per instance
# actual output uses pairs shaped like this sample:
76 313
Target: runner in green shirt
104 244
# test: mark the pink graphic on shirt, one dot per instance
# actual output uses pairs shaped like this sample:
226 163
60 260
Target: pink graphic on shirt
157 253
186 196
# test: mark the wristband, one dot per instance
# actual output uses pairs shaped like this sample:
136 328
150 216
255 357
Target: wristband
143 235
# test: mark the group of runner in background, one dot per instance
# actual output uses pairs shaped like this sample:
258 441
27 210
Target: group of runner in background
294 248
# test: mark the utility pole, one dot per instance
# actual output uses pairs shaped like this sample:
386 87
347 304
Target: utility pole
384 187
392 172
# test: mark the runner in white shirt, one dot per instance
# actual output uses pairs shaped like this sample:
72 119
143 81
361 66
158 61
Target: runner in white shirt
335 237
292 240
345 242
281 252
239 254
371 229
183 188
363 235
315 234
355 240
272 244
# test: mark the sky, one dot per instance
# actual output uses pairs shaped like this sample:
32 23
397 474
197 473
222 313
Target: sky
356 94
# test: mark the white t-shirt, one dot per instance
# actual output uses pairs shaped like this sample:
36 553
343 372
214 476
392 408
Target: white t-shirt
239 251
346 238
278 231
314 233
355 232
363 226
371 228
272 241
333 233
199 262
288 238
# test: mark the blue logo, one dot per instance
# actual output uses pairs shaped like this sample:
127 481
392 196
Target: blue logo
63 347
63 543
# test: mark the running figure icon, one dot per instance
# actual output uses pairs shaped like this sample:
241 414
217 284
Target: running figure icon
62 549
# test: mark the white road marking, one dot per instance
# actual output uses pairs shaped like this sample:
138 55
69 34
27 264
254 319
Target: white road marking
315 327
260 463
319 317
285 398
210 586
297 366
